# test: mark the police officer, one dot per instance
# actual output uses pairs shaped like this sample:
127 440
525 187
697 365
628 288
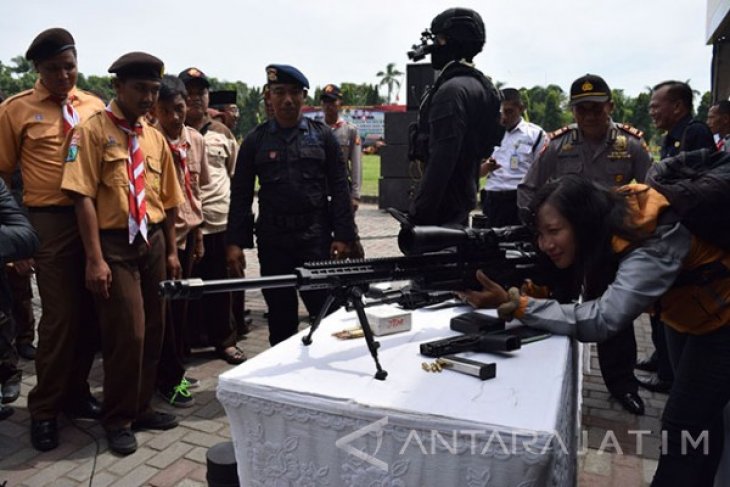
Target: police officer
304 199
670 108
457 122
120 172
347 136
33 127
612 154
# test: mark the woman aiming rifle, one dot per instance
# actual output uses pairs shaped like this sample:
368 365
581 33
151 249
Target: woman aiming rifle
624 259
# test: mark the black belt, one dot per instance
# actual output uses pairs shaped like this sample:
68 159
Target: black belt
502 195
51 209
151 228
291 221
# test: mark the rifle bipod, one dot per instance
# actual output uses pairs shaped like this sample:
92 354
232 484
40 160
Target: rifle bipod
353 296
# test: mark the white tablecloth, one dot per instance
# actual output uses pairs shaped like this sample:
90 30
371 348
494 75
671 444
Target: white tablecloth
292 407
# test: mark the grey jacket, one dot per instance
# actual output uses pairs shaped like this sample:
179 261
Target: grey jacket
643 275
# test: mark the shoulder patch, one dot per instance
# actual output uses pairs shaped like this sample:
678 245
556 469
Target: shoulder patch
630 130
559 132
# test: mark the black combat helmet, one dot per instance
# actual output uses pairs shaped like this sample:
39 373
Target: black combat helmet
462 25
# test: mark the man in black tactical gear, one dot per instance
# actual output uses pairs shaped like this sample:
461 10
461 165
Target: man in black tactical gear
305 212
458 120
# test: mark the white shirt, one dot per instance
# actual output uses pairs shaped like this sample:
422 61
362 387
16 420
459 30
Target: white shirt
517 151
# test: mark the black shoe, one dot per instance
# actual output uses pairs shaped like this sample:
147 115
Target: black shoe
6 412
632 403
155 420
11 391
44 434
26 350
88 408
122 441
654 383
650 364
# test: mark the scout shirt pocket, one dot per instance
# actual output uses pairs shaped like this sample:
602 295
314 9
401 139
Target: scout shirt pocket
114 166
45 132
153 174
218 151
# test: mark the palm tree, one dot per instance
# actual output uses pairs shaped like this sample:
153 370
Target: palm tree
389 78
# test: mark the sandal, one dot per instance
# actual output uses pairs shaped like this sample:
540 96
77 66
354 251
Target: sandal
233 355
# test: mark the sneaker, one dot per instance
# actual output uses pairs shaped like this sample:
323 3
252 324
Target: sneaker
122 441
155 420
193 383
178 396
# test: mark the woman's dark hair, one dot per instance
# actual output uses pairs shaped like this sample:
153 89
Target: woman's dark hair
597 214
170 87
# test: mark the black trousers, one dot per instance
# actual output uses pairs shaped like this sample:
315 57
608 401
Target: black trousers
617 357
171 370
700 392
276 259
661 354
211 314
500 208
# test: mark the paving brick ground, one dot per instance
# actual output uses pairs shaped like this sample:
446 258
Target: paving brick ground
609 455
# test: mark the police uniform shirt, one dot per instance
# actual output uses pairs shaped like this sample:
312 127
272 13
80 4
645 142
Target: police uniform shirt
687 135
515 154
621 157
297 169
96 166
351 148
221 149
31 135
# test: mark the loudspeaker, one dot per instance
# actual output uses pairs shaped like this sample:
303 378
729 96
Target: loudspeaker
419 77
396 126
394 161
396 193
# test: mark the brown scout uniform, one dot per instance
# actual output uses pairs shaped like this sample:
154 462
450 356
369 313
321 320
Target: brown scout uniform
31 135
131 319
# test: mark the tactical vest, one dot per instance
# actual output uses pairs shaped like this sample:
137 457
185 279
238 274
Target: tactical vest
418 132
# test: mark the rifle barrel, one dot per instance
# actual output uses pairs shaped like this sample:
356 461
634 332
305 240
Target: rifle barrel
194 288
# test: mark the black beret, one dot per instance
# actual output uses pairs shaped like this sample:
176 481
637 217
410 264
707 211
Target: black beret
223 97
589 88
49 43
285 74
138 65
194 74
331 92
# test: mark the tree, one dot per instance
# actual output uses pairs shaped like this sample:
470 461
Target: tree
640 115
622 106
704 106
389 78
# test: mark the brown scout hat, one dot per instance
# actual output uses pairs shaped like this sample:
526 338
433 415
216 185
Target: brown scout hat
49 43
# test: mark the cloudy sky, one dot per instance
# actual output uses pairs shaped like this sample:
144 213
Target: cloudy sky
631 43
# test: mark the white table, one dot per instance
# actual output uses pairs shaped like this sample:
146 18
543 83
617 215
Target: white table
315 415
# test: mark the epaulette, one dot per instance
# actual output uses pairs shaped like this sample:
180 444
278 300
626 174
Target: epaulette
631 130
557 133
18 95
